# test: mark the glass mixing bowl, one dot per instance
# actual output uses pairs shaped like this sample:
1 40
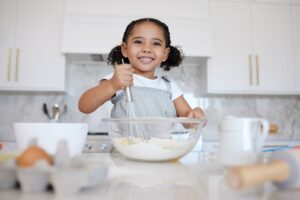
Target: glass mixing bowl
154 139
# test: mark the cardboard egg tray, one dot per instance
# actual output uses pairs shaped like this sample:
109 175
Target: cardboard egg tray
65 178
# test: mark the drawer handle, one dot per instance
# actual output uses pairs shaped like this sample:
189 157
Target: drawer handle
257 69
8 65
250 68
17 64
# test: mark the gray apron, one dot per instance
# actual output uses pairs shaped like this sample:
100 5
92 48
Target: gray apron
148 102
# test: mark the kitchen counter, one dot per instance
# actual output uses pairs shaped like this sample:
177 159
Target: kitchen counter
195 176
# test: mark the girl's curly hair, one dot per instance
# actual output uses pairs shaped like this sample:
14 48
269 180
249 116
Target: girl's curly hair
175 56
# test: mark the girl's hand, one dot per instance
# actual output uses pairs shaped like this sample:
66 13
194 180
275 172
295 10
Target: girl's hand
123 76
196 113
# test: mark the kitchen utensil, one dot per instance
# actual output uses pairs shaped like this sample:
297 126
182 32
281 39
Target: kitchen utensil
134 130
274 128
46 112
49 134
283 170
241 139
168 138
56 112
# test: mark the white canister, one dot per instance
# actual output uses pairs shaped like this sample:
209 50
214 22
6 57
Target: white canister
241 139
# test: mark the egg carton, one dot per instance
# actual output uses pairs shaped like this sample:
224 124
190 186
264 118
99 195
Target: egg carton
66 176
64 180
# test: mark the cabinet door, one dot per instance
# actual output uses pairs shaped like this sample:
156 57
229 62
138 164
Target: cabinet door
272 45
228 71
183 30
40 65
296 37
7 40
98 34
29 45
197 9
92 34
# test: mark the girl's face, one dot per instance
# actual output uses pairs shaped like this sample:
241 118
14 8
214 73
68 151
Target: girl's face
145 48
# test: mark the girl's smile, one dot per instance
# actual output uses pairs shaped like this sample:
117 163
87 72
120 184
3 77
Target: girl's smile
145 59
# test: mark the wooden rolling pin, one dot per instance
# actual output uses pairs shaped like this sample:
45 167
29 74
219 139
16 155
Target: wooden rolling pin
283 170
273 129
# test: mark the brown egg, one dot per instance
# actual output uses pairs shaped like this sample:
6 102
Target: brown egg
31 155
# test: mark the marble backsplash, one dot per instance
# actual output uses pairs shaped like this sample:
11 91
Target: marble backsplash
27 107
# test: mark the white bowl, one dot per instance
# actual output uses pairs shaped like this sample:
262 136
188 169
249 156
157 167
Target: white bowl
49 134
154 139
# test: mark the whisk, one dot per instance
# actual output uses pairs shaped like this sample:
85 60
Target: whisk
134 128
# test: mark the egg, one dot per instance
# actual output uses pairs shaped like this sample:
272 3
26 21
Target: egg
32 154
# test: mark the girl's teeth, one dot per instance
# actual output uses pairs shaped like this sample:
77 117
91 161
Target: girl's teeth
146 60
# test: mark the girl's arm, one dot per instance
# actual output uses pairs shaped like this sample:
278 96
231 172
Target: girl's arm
95 97
183 109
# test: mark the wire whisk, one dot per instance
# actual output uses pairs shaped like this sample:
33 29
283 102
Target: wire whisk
134 130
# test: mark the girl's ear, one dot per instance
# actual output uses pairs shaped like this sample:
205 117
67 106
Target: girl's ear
166 54
124 49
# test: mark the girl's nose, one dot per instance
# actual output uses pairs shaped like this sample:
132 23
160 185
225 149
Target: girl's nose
146 48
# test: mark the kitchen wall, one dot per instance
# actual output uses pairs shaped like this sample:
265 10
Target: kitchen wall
18 107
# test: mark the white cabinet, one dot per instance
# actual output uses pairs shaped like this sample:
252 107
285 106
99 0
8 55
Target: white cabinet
91 34
252 49
272 47
97 26
228 69
296 37
193 9
99 34
30 45
7 39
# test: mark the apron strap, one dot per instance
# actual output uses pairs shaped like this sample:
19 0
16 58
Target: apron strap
168 83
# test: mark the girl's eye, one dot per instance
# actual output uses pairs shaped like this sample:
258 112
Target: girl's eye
156 43
138 42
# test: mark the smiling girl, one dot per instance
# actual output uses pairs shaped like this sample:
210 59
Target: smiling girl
145 46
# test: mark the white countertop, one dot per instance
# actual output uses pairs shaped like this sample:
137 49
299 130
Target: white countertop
196 176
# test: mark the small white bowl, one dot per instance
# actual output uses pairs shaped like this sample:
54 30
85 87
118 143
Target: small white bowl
48 135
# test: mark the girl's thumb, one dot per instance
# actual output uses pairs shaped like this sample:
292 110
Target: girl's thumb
190 114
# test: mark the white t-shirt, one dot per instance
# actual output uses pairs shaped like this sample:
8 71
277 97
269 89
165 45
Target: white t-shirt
158 83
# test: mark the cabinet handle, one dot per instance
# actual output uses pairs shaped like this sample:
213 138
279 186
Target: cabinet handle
8 65
17 64
257 69
250 68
